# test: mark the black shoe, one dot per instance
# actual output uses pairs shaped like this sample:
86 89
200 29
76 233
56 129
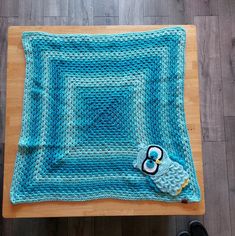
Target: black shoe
183 233
196 228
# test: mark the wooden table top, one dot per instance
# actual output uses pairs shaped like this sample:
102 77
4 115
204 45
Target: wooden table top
105 207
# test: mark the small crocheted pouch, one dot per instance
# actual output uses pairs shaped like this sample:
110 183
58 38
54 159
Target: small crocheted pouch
90 102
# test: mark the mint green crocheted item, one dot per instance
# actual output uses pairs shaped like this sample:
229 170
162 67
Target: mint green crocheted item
90 102
168 176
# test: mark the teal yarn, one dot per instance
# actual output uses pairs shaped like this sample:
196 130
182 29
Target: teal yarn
90 103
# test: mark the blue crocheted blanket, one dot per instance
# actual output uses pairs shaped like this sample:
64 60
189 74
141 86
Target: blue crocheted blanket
103 117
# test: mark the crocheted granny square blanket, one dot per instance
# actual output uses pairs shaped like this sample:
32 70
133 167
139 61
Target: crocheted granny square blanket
103 117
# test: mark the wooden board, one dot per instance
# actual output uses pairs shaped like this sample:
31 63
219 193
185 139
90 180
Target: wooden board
106 207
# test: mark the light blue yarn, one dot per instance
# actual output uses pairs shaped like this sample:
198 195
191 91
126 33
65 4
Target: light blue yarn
170 175
90 102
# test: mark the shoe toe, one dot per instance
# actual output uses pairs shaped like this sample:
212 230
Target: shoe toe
183 233
196 228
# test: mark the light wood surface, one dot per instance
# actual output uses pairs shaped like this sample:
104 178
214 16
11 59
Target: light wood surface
15 86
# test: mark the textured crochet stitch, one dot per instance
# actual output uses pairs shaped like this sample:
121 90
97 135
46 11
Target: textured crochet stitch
90 103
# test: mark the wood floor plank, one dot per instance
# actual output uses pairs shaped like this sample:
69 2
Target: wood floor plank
1 162
38 227
156 8
180 12
80 12
9 8
227 50
56 7
1 182
230 128
107 226
230 150
55 20
21 21
152 225
131 12
81 226
30 9
212 119
104 20
3 47
1 185
35 227
204 8
155 20
25 9
232 9
217 218
224 7
106 8
30 13
6 227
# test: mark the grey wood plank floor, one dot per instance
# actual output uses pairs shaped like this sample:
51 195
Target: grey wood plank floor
215 21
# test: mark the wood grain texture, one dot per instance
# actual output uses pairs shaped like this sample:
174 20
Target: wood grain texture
106 8
80 226
9 8
156 8
55 20
180 12
217 195
230 150
3 65
131 12
30 9
80 12
106 20
148 226
16 71
227 50
155 20
36 227
204 8
107 226
224 7
210 78
56 7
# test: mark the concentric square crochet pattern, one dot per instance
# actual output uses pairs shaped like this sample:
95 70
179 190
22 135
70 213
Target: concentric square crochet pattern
90 102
